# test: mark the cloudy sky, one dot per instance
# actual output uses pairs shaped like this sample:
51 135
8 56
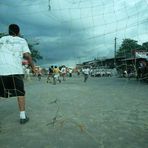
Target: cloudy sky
73 31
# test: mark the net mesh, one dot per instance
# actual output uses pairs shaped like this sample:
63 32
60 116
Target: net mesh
81 31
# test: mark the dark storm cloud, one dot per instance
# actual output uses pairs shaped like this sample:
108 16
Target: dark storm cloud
76 29
33 26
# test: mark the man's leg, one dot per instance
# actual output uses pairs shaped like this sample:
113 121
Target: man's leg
54 79
21 104
84 77
47 78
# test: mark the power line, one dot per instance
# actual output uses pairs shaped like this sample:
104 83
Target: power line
21 5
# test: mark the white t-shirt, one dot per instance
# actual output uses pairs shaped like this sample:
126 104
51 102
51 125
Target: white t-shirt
86 71
70 70
11 54
63 70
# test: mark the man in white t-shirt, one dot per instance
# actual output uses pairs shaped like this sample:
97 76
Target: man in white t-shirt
12 50
86 72
63 72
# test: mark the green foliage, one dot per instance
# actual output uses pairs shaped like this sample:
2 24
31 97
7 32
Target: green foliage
126 48
34 53
2 34
145 46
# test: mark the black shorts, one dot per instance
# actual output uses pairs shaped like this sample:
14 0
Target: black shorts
11 86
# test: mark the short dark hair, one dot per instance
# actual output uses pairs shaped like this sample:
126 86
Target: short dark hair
14 29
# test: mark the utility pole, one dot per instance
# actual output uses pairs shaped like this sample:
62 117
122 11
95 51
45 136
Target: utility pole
115 50
49 5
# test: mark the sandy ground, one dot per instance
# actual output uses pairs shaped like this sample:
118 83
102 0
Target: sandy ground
101 113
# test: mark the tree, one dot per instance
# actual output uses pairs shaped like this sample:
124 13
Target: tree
2 34
145 46
126 48
34 53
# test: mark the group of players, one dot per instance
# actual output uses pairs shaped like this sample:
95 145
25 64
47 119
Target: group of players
55 72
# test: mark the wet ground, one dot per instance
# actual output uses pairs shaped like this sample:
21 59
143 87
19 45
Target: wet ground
101 113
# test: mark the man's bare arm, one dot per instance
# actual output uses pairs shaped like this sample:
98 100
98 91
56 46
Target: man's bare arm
28 57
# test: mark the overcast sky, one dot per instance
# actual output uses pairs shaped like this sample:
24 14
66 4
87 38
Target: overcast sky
73 31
